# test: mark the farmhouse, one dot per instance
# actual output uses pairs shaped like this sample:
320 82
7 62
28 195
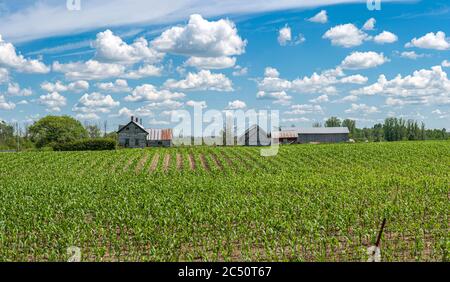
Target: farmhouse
312 135
134 135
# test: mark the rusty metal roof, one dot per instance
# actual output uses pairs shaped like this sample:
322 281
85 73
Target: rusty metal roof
156 134
293 132
285 134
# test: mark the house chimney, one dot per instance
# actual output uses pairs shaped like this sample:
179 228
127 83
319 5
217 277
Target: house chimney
141 122
132 118
137 120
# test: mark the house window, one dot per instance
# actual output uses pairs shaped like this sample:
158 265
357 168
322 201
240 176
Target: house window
136 142
127 142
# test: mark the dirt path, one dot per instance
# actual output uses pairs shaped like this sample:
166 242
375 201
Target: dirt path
192 161
216 161
240 160
154 163
142 163
166 163
179 162
204 162
116 164
128 164
227 159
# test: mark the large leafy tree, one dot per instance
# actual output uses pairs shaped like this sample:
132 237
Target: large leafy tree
52 130
351 125
333 122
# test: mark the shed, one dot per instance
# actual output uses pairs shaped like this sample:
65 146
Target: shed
289 136
159 137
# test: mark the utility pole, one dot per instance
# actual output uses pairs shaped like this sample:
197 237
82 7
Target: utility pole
105 125
18 136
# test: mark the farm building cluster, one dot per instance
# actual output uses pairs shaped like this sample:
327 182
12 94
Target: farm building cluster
134 135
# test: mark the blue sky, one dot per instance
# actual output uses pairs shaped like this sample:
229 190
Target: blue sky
308 59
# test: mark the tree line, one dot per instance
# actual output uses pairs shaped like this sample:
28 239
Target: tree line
52 132
392 129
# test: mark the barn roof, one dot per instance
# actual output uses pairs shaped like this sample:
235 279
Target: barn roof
324 130
285 134
156 134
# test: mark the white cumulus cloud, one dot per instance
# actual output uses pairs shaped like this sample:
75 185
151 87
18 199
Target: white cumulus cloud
236 105
385 37
423 87
10 59
411 55
5 105
445 64
211 62
369 24
284 35
53 101
362 108
58 86
363 60
14 89
436 41
202 38
89 70
320 17
203 80
95 103
120 85
148 92
112 48
201 104
346 35
146 70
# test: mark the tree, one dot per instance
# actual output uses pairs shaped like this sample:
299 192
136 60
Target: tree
52 130
377 132
6 135
94 131
351 125
333 122
317 124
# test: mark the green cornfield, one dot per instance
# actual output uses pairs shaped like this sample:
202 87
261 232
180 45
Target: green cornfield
308 203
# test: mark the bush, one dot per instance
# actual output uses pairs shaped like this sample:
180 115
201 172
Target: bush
99 144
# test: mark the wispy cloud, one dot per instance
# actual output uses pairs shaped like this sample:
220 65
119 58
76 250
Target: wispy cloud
36 19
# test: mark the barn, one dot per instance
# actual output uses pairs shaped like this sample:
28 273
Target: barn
254 136
323 135
295 135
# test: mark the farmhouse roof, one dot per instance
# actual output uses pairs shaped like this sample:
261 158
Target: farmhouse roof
136 123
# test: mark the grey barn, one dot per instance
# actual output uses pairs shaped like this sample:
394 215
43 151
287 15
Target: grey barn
313 135
323 135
